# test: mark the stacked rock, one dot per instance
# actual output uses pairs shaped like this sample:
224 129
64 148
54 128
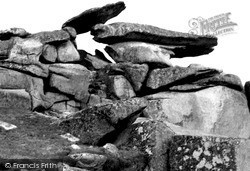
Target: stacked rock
157 116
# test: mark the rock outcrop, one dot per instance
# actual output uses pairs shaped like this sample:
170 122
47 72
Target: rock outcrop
62 105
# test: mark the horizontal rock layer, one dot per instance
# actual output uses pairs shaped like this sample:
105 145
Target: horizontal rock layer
124 32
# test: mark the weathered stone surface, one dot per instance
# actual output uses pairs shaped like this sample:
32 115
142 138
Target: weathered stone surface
168 77
89 125
135 73
11 79
87 19
49 54
73 79
4 48
18 98
92 62
25 51
170 147
120 88
108 157
139 52
37 68
71 31
208 153
67 53
217 110
69 106
13 32
124 109
55 36
124 32
36 137
227 80
24 56
93 123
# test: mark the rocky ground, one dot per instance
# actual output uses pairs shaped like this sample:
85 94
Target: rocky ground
62 108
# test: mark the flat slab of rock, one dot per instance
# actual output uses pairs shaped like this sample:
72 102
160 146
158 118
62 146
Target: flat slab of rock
217 110
227 80
123 32
168 77
13 32
139 53
55 36
83 22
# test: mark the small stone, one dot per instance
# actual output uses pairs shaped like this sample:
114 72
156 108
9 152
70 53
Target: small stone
49 53
7 126
71 31
120 88
87 19
67 53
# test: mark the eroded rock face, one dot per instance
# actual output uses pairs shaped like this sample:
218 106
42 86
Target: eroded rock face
170 147
67 53
168 77
124 32
89 18
24 55
89 125
120 88
139 53
217 110
49 53
227 80
73 79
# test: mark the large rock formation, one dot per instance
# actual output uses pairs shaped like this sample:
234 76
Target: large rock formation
81 112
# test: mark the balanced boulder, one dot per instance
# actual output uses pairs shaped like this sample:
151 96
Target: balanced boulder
87 19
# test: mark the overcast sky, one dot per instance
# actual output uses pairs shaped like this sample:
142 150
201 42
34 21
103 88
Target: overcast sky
231 54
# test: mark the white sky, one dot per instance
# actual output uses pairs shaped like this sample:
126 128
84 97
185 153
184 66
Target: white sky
230 54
